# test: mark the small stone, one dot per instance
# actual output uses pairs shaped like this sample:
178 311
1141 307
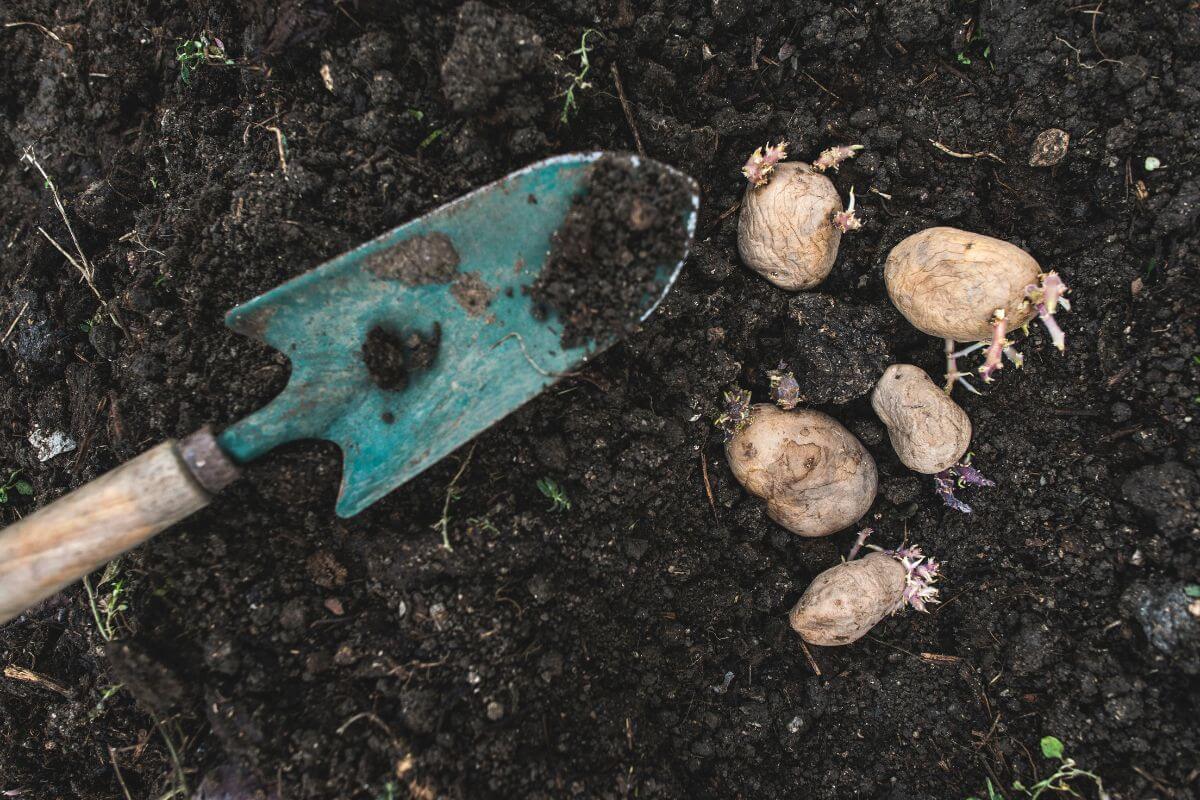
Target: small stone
335 607
1049 148
1168 621
495 711
1152 164
48 445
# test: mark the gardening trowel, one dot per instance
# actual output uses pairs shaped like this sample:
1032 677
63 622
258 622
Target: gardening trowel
455 277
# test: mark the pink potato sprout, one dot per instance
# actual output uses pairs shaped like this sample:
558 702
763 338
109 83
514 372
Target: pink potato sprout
834 156
762 162
958 476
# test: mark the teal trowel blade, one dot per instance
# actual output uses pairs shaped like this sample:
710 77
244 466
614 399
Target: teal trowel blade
459 270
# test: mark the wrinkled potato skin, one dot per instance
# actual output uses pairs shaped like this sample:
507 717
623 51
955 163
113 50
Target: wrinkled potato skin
929 431
815 476
846 601
786 231
948 282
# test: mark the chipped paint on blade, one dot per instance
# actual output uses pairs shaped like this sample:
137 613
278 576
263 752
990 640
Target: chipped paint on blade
461 269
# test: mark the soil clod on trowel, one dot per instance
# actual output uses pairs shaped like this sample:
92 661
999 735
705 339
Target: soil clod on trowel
391 359
605 256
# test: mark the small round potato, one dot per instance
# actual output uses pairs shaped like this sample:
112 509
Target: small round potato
815 476
948 283
846 601
786 231
928 430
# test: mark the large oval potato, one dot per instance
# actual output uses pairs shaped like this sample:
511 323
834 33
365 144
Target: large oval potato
929 431
948 283
786 231
846 601
815 476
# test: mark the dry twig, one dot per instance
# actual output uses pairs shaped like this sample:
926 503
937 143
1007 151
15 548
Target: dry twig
443 524
1079 62
81 263
729 211
980 154
28 676
819 86
44 30
627 109
112 754
707 485
16 319
812 662
281 143
367 715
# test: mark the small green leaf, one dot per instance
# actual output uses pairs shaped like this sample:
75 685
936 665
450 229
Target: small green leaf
1192 590
962 59
24 487
992 793
3 495
1052 747
430 139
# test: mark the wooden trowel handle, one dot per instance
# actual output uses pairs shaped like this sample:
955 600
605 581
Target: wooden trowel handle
99 521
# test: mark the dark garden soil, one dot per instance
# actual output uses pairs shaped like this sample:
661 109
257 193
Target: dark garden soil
635 645
604 258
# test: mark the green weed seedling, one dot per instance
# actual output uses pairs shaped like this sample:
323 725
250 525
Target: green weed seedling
433 136
558 498
21 487
483 524
974 42
579 80
108 693
1061 782
194 53
106 607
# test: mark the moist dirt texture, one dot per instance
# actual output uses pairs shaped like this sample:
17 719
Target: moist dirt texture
605 258
391 359
636 643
